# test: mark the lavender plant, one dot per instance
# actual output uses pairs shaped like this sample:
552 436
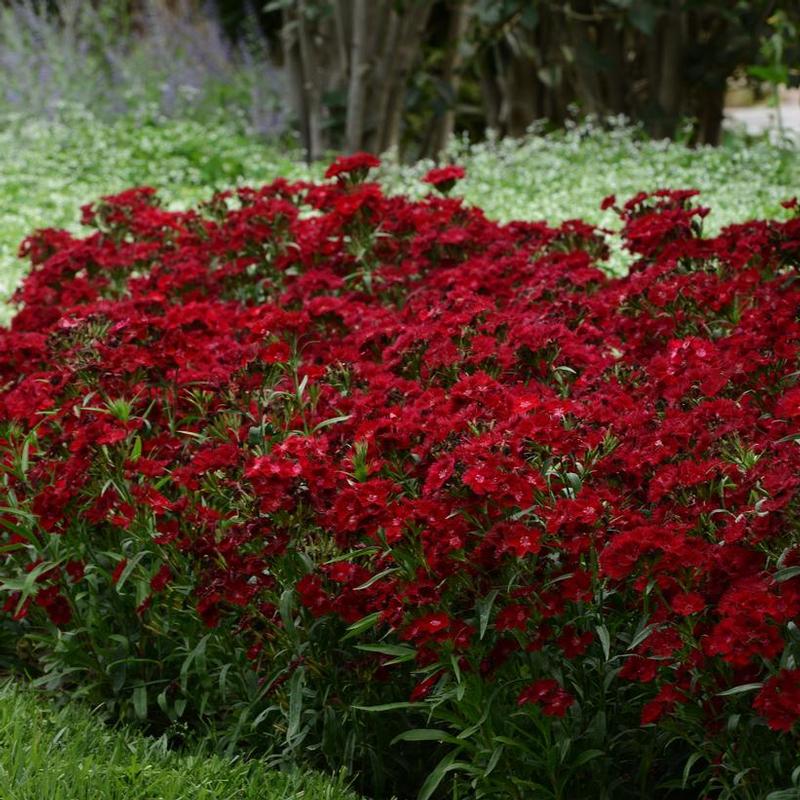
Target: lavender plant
161 61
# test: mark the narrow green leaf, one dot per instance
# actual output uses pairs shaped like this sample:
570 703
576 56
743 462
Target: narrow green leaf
332 421
424 735
296 684
741 689
690 762
605 640
389 707
286 609
447 764
642 635
129 568
364 624
493 760
586 756
395 650
376 578
484 609
140 702
786 573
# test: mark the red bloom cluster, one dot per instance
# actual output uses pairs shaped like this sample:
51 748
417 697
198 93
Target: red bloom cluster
549 695
358 164
455 436
444 178
779 700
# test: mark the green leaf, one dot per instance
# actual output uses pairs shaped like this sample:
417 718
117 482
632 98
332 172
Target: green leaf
129 568
495 757
389 707
399 652
196 654
690 762
25 458
773 73
786 573
376 578
447 764
484 609
296 684
424 735
605 640
741 689
574 481
286 609
140 701
364 624
586 756
332 421
642 635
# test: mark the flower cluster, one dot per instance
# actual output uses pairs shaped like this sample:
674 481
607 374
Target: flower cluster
456 445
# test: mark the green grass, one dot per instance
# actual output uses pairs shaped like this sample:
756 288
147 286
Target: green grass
48 170
69 754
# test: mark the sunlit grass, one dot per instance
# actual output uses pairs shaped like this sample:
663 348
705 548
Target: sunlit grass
69 754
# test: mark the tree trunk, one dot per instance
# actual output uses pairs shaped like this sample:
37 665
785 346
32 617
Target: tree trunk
312 85
357 89
669 90
490 92
294 66
412 27
451 78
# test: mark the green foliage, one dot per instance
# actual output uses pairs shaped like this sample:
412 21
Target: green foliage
50 753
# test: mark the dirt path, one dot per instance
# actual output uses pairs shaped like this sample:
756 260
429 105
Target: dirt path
757 119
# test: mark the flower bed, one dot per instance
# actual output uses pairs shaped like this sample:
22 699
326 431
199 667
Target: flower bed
387 484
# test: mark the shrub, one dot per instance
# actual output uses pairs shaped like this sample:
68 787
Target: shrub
380 483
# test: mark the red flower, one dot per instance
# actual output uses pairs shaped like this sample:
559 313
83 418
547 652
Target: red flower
608 202
444 178
663 703
778 701
573 643
161 579
118 570
75 569
688 603
547 693
424 687
512 617
356 166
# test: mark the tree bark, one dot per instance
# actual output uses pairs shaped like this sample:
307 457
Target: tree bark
312 85
357 89
294 66
381 80
669 90
412 27
451 78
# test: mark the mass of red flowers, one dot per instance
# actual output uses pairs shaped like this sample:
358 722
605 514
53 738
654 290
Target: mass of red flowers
457 442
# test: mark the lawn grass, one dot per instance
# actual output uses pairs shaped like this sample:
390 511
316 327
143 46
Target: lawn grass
49 169
69 754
